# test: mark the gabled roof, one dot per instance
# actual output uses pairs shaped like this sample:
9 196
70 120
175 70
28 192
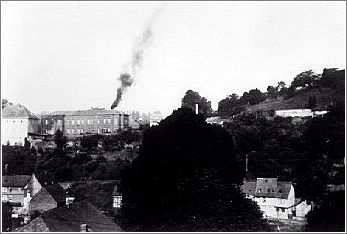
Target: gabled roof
69 219
17 111
271 188
18 181
54 190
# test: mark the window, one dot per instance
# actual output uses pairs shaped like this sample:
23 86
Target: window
98 121
78 122
82 130
46 121
117 201
73 131
72 121
268 190
282 209
264 199
68 131
280 190
259 190
277 209
88 121
82 121
265 181
109 121
105 121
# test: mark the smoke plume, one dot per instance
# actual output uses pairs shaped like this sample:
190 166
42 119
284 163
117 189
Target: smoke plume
140 45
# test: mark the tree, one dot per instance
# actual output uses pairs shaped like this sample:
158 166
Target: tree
60 140
90 142
272 91
191 98
306 78
186 176
229 106
254 96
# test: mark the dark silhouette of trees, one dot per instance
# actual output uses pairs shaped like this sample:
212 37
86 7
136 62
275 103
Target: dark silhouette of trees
254 96
60 140
229 106
306 78
191 98
186 176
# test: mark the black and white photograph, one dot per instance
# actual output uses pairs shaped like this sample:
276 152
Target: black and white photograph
173 116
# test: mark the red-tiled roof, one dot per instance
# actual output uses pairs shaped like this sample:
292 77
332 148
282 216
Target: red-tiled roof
69 219
17 111
18 181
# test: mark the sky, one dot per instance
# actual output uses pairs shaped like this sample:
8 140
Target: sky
68 55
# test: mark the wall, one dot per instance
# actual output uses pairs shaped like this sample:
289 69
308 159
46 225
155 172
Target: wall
294 113
12 194
33 125
51 123
14 130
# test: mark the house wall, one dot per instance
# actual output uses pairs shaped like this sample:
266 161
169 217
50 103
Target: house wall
14 130
294 113
51 123
12 194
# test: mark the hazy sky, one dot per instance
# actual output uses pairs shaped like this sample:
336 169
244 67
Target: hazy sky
68 55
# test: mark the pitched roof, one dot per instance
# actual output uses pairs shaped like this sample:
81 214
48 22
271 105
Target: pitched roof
267 187
55 190
17 111
15 180
69 219
84 112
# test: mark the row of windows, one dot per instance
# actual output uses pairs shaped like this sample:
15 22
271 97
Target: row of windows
89 122
81 130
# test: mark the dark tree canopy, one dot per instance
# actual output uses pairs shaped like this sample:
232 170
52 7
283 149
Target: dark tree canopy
60 140
306 78
186 174
229 106
254 96
191 98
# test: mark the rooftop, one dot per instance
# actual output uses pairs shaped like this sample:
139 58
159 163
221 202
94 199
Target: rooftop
84 112
18 181
70 219
17 111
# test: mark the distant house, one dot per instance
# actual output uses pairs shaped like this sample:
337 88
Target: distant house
302 207
116 197
49 197
17 123
78 217
215 120
17 188
294 113
275 199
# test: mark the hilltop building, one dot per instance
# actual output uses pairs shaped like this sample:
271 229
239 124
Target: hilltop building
17 123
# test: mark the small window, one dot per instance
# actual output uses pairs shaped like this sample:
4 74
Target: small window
268 190
282 209
280 190
277 209
265 181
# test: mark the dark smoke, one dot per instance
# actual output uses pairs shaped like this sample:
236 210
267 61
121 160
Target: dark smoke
126 81
141 43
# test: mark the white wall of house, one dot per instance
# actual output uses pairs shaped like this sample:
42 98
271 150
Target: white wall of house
294 113
276 207
14 130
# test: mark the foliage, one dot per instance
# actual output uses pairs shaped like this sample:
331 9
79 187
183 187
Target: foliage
328 216
6 221
90 141
312 102
191 98
17 160
306 78
252 97
186 174
60 140
229 106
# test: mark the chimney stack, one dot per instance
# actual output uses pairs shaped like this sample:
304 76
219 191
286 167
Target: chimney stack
196 108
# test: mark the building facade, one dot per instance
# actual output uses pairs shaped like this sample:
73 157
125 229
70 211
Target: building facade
17 123
93 121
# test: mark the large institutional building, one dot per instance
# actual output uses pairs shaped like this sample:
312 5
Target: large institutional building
17 123
93 121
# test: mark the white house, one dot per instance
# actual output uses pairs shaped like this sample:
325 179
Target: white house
294 113
17 123
275 199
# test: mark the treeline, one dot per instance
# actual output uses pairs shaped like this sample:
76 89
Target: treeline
330 78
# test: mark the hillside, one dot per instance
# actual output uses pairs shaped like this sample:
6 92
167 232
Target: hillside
324 97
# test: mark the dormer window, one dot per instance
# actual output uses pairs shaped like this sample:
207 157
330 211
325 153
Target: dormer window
280 190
